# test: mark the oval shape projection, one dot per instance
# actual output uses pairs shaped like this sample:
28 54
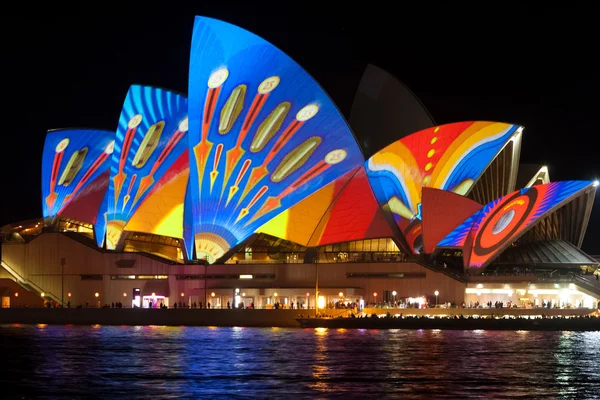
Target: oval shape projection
269 127
295 159
239 181
149 159
75 171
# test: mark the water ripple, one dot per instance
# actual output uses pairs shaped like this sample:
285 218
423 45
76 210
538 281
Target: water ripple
174 362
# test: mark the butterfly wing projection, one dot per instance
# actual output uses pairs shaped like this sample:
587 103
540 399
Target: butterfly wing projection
450 157
150 157
263 135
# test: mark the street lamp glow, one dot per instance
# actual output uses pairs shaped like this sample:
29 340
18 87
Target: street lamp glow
436 293
374 294
596 183
16 294
275 294
97 294
212 294
69 294
124 294
321 302
43 294
394 293
182 294
341 294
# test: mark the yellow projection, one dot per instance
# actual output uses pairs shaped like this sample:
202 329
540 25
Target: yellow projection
162 212
298 223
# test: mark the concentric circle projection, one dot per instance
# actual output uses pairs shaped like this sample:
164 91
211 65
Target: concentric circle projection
504 222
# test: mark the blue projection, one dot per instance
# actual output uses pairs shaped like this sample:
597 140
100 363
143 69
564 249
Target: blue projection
151 139
263 135
72 166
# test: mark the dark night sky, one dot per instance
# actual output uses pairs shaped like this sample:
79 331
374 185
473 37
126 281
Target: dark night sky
527 65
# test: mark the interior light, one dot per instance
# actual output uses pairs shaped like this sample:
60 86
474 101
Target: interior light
246 276
321 302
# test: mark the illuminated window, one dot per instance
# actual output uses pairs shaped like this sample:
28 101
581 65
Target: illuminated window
152 277
223 276
148 145
385 275
73 167
369 250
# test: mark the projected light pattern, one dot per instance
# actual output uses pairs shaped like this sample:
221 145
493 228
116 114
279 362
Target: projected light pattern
457 237
263 135
502 221
449 157
101 221
72 160
151 136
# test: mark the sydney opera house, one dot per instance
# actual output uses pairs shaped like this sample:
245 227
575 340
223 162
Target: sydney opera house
254 189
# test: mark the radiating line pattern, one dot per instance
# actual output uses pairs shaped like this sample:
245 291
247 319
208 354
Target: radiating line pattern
150 137
263 135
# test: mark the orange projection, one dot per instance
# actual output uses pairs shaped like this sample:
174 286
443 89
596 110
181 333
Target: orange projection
161 213
298 223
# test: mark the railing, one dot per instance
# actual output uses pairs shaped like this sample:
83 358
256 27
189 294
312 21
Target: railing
26 282
589 285
446 271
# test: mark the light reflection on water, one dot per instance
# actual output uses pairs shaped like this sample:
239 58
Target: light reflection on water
167 362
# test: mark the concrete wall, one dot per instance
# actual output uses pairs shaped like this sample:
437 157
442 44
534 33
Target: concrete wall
188 317
40 262
18 296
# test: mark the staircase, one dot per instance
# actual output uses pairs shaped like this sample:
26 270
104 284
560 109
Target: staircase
29 285
446 271
589 283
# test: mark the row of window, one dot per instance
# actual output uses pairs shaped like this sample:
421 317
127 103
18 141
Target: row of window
178 277
404 275
381 275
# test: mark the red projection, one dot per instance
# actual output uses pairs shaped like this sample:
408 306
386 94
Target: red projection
354 215
442 211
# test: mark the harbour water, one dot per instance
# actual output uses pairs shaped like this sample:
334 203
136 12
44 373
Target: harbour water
172 362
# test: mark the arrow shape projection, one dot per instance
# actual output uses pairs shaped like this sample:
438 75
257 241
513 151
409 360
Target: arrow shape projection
215 172
272 203
244 211
258 173
148 180
203 148
58 156
128 195
234 189
108 150
119 178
